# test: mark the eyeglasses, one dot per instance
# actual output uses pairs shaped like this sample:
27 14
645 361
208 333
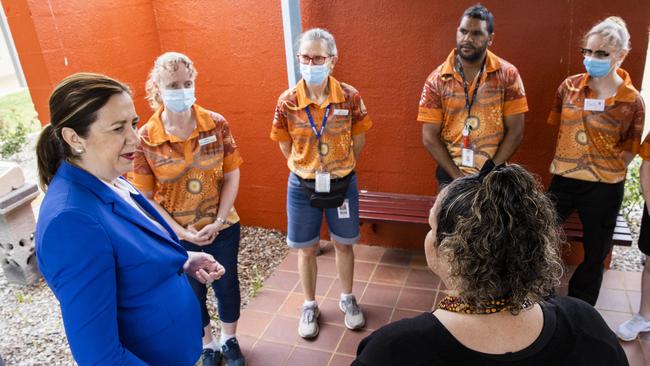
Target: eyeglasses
598 53
316 60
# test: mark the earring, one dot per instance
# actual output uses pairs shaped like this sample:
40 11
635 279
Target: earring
79 151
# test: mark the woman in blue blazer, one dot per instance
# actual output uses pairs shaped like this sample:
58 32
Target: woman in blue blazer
113 263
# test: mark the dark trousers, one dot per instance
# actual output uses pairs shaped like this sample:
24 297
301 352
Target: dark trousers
224 249
644 232
442 177
597 205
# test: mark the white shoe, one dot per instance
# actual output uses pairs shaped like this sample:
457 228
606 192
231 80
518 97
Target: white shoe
629 330
308 326
354 318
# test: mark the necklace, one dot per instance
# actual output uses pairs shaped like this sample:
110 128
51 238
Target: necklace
455 304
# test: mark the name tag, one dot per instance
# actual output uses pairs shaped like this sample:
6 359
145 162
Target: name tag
207 140
322 182
344 210
341 112
597 105
467 157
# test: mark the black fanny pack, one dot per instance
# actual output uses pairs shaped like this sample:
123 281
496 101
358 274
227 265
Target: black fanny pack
331 199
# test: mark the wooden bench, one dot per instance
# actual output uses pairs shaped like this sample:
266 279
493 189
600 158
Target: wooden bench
380 207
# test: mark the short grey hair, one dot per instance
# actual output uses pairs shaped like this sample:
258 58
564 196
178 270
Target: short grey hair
319 34
614 30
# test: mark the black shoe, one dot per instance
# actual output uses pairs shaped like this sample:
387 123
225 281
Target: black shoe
209 357
232 353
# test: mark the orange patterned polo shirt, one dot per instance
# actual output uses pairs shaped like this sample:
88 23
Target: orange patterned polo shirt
347 117
500 94
590 143
186 176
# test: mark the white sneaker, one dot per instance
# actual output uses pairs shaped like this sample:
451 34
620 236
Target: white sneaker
629 330
308 326
354 318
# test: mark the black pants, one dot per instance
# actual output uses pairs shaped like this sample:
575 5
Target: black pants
644 232
597 205
442 177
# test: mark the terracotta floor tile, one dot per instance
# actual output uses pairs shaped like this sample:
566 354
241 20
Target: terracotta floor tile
632 280
282 280
644 336
290 263
326 266
614 318
416 299
303 357
328 337
350 341
293 306
253 323
613 280
419 261
613 300
389 275
367 253
400 314
634 353
376 316
382 295
363 270
422 278
341 360
267 300
358 287
268 353
330 312
282 329
634 298
323 284
396 257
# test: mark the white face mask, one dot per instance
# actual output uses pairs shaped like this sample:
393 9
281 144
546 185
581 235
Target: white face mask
178 100
314 74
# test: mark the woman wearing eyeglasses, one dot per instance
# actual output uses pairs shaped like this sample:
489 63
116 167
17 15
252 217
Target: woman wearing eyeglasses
320 125
600 115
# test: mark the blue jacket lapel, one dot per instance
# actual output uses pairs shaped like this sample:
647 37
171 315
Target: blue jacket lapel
121 207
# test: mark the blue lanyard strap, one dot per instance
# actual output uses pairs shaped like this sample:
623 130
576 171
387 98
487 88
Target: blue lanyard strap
313 125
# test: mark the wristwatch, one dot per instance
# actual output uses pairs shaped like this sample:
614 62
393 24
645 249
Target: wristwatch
220 220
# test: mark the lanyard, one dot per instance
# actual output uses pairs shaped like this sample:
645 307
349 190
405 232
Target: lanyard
322 128
468 103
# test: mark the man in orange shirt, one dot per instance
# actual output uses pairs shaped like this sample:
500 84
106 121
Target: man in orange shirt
472 106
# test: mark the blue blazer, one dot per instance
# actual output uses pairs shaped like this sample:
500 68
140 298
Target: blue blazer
124 297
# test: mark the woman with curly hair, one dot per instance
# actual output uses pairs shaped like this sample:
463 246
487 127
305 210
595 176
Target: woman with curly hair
494 242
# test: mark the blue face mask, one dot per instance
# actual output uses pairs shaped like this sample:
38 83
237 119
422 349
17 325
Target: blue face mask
314 74
178 100
597 68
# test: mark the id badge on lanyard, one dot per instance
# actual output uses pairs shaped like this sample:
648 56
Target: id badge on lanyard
471 122
323 177
467 154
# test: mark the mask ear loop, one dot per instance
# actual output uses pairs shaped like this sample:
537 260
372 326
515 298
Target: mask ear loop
488 168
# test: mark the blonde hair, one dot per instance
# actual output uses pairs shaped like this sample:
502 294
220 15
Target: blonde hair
165 64
614 30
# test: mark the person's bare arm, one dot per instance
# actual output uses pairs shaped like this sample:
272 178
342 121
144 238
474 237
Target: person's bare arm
514 133
436 147
358 141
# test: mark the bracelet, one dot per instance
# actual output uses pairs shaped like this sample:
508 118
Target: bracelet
220 220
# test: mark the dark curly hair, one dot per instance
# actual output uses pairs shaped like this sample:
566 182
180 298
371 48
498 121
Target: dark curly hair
501 237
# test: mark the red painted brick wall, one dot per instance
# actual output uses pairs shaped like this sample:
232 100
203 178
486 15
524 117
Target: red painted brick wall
387 49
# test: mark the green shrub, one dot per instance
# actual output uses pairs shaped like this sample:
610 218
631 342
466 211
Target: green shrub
13 140
633 197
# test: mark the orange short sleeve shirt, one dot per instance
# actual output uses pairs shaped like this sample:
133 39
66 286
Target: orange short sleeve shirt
347 117
590 143
501 93
186 177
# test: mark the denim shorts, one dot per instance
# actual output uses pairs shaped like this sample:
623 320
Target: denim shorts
304 221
